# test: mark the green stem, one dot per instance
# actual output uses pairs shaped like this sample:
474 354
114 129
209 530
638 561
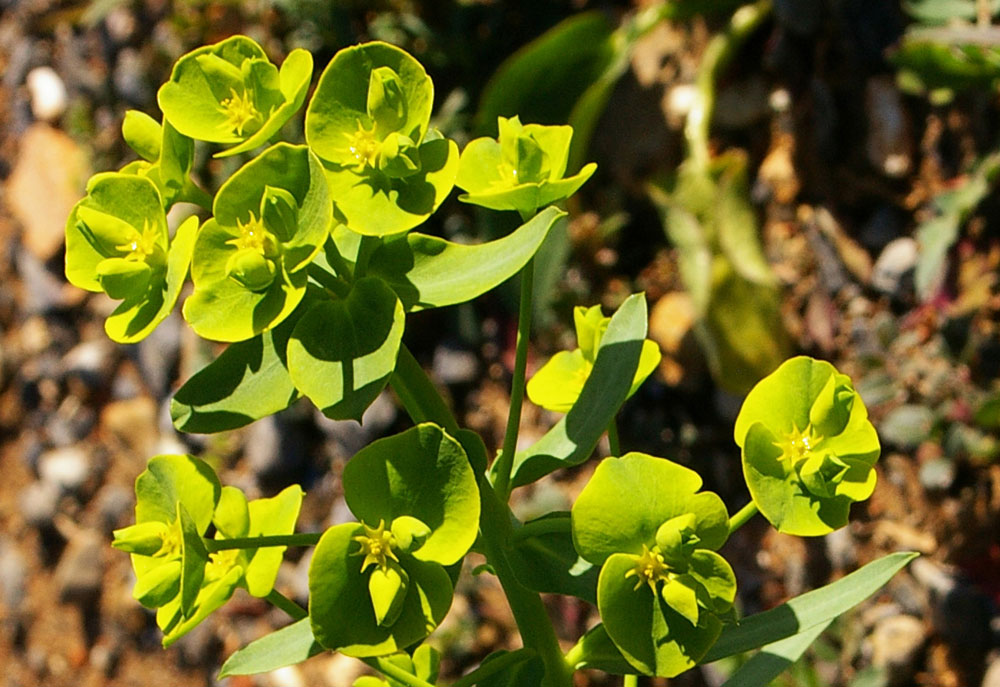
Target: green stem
741 516
304 539
390 669
281 601
416 391
630 681
505 461
487 669
330 282
720 51
423 403
191 193
529 612
541 526
614 443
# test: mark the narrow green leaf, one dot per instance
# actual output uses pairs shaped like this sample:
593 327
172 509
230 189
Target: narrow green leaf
596 650
809 609
429 272
574 437
774 658
287 646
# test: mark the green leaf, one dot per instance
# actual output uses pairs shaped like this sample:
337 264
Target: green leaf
596 650
374 204
133 320
169 479
248 381
808 610
222 309
230 93
774 658
293 77
605 524
652 637
338 590
271 516
232 516
424 473
211 596
522 668
952 58
548 562
368 121
807 446
343 351
341 102
194 556
543 79
289 645
574 437
430 272
142 133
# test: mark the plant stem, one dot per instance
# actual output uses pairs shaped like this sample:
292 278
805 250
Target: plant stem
630 681
532 619
614 443
332 283
421 400
423 403
304 539
487 669
541 526
505 461
281 601
741 516
390 669
720 51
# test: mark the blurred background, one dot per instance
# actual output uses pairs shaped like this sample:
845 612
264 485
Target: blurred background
856 220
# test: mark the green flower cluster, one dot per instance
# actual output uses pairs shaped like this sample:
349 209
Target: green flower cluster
180 573
663 590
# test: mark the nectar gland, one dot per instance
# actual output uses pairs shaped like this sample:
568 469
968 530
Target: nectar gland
650 568
239 110
376 546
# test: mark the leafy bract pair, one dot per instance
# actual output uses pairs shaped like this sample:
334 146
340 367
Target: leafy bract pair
178 572
380 585
808 447
662 588
117 242
558 383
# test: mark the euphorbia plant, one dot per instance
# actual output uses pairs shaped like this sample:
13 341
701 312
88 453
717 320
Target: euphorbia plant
308 268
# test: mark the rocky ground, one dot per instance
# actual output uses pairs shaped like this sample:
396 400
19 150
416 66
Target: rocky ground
79 415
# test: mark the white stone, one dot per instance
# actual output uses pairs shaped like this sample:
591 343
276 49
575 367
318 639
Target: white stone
48 93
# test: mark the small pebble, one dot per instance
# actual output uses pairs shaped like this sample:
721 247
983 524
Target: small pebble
897 258
67 467
39 503
48 93
896 643
79 573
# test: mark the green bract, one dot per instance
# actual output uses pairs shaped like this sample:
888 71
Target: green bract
416 496
662 587
117 242
230 93
558 383
249 270
167 156
253 569
522 171
368 121
175 500
808 447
